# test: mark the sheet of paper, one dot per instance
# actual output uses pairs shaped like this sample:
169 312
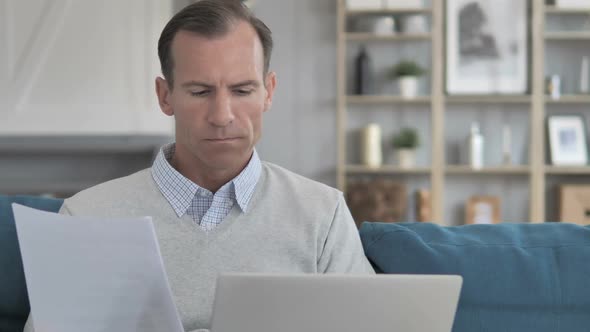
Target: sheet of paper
94 274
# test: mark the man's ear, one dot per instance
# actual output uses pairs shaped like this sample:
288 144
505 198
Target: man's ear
269 84
163 92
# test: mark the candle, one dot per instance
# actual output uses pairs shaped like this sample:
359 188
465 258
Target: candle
371 145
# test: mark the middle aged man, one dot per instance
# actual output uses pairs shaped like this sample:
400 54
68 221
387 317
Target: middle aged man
215 206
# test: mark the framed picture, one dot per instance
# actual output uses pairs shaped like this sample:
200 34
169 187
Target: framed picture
486 46
567 140
574 204
482 210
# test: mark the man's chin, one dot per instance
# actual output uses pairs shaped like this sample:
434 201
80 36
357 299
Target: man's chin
229 162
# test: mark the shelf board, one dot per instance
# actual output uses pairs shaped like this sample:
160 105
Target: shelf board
569 99
568 35
568 170
82 144
382 99
362 36
488 99
386 169
25 186
390 11
558 10
498 170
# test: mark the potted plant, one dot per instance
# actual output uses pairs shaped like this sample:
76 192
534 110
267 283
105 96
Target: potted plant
405 144
406 72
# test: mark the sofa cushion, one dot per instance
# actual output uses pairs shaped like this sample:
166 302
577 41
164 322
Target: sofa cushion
516 277
14 303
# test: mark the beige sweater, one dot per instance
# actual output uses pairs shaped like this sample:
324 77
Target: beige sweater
293 225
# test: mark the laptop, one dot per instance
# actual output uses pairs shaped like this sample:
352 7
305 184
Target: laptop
335 303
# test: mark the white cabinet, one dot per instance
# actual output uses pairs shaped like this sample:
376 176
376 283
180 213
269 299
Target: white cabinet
80 67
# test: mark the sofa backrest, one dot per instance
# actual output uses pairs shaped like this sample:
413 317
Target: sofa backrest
516 277
14 303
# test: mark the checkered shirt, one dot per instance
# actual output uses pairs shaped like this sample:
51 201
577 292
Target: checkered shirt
206 209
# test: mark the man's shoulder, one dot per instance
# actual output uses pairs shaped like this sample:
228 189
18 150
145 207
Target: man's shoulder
114 191
286 181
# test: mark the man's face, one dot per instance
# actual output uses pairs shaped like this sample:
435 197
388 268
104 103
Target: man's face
218 97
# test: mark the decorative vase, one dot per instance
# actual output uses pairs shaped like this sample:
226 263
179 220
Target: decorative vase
406 158
408 86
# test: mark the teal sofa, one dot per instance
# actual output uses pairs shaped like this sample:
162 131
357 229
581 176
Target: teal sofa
516 277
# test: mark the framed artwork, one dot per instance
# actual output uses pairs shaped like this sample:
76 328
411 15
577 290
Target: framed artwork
486 46
482 210
567 140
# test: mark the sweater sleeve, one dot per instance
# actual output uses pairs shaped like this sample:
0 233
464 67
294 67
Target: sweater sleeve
343 251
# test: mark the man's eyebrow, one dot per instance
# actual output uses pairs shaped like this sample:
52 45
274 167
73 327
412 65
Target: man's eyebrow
191 84
253 83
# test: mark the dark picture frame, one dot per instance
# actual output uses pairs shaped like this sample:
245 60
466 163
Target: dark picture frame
487 46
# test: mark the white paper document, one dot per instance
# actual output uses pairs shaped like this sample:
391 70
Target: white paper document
94 274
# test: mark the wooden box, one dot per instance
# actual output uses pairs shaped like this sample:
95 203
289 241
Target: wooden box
574 204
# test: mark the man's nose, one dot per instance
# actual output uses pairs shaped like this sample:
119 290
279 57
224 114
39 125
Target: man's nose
220 113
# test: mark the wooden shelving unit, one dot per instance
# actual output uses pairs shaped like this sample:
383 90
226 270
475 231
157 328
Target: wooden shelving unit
498 170
488 99
421 10
569 35
379 100
552 9
569 99
534 173
567 170
361 169
366 37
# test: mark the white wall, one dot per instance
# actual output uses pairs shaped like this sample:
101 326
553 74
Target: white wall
300 131
80 67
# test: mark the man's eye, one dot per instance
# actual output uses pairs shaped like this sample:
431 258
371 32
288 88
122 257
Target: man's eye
243 92
199 93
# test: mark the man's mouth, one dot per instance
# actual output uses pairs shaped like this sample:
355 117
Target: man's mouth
223 139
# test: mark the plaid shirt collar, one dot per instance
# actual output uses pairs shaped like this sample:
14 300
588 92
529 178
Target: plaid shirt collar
180 191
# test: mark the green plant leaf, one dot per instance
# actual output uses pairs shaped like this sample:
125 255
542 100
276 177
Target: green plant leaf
407 138
406 68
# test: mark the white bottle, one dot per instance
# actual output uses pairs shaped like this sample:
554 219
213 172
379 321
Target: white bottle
475 147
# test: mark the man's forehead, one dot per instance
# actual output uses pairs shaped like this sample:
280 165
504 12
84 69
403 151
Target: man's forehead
234 54
240 34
